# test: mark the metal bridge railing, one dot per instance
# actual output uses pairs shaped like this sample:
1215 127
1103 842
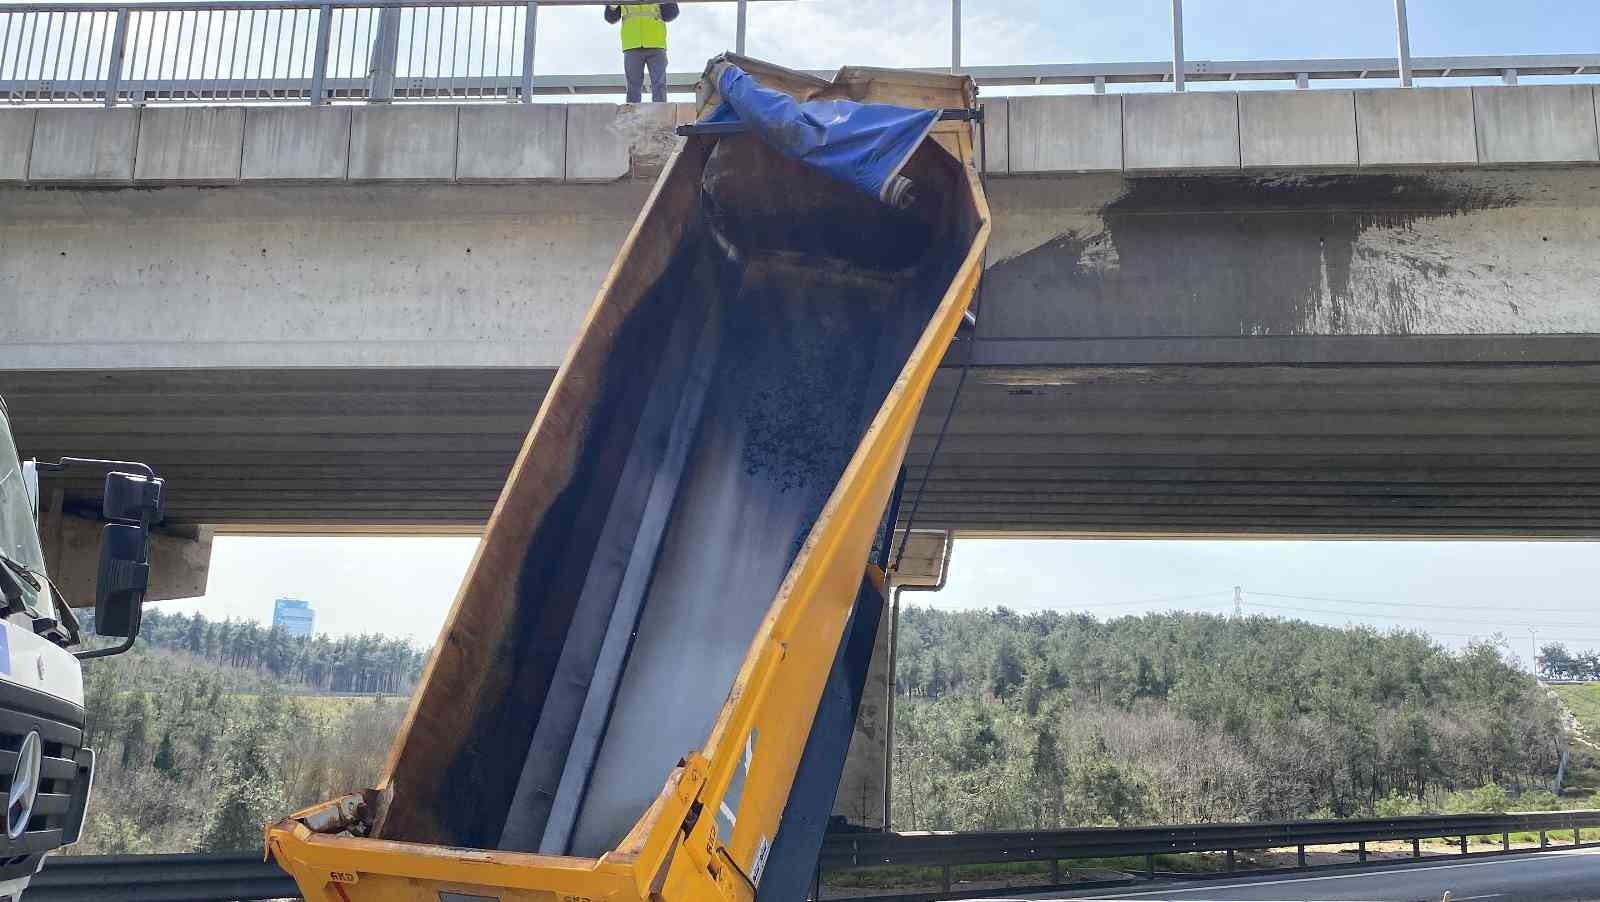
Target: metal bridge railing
277 50
303 51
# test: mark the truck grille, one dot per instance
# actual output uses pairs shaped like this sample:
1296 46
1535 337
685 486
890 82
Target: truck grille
58 809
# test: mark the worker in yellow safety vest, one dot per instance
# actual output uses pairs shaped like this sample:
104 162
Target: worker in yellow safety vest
644 44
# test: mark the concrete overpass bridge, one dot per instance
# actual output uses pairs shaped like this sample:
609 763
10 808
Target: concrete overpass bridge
1331 312
1323 312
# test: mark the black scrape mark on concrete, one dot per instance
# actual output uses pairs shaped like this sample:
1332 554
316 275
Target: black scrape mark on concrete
1226 256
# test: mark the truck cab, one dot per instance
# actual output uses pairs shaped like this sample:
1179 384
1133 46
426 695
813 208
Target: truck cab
44 768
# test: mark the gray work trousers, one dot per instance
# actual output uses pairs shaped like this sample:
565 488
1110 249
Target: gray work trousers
633 64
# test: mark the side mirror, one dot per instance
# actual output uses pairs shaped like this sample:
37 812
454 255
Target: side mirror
132 498
123 577
132 502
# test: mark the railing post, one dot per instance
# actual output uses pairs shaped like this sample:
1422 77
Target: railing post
530 39
955 36
1505 841
944 879
1361 852
1544 839
319 58
1055 872
1463 845
1403 31
741 27
1300 856
1177 45
119 47
1150 867
385 51
1416 848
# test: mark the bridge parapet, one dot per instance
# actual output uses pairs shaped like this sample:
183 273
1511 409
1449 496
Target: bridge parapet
599 142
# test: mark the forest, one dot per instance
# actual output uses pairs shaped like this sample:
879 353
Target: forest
208 730
351 664
1012 721
197 753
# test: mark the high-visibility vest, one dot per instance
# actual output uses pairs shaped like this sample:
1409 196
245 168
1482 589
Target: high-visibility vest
642 26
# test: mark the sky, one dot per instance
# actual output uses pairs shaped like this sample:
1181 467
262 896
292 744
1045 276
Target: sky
830 33
403 586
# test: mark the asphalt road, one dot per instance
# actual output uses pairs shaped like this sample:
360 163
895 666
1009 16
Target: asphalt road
1543 877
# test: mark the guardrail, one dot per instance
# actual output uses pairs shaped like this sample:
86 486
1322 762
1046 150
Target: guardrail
379 51
169 878
948 850
245 876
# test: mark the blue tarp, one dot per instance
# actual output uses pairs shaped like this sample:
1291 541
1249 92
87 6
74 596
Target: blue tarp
863 144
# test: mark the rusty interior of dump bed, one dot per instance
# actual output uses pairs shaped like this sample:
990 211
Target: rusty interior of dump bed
708 425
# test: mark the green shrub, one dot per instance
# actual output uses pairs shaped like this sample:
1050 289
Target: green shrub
1486 799
1398 804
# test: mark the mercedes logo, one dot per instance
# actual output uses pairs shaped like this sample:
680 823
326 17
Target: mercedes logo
24 786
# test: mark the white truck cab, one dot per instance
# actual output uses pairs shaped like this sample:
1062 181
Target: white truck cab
44 769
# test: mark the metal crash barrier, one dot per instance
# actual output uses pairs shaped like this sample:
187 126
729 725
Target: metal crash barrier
245 876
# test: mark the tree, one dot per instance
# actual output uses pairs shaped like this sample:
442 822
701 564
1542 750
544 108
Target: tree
196 635
1047 773
1006 674
251 793
137 721
166 759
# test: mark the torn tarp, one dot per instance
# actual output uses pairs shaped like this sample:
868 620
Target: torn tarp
863 144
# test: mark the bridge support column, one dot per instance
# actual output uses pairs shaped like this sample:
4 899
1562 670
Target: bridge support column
863 796
179 563
865 784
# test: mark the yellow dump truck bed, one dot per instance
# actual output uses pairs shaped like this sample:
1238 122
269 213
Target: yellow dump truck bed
624 691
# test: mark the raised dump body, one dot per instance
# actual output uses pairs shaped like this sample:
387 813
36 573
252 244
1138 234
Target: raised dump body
646 684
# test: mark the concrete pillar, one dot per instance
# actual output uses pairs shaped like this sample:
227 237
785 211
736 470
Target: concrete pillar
865 783
179 564
863 794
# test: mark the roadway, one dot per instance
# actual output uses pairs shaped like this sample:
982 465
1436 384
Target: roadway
1567 876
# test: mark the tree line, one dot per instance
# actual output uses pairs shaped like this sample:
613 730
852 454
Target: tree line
1046 720
1002 721
350 664
1556 663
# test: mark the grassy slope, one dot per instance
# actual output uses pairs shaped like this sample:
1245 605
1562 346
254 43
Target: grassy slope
1583 770
1584 701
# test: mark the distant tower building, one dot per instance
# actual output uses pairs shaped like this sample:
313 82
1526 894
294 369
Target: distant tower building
296 617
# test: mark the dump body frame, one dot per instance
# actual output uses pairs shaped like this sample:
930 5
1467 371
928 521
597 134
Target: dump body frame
674 851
